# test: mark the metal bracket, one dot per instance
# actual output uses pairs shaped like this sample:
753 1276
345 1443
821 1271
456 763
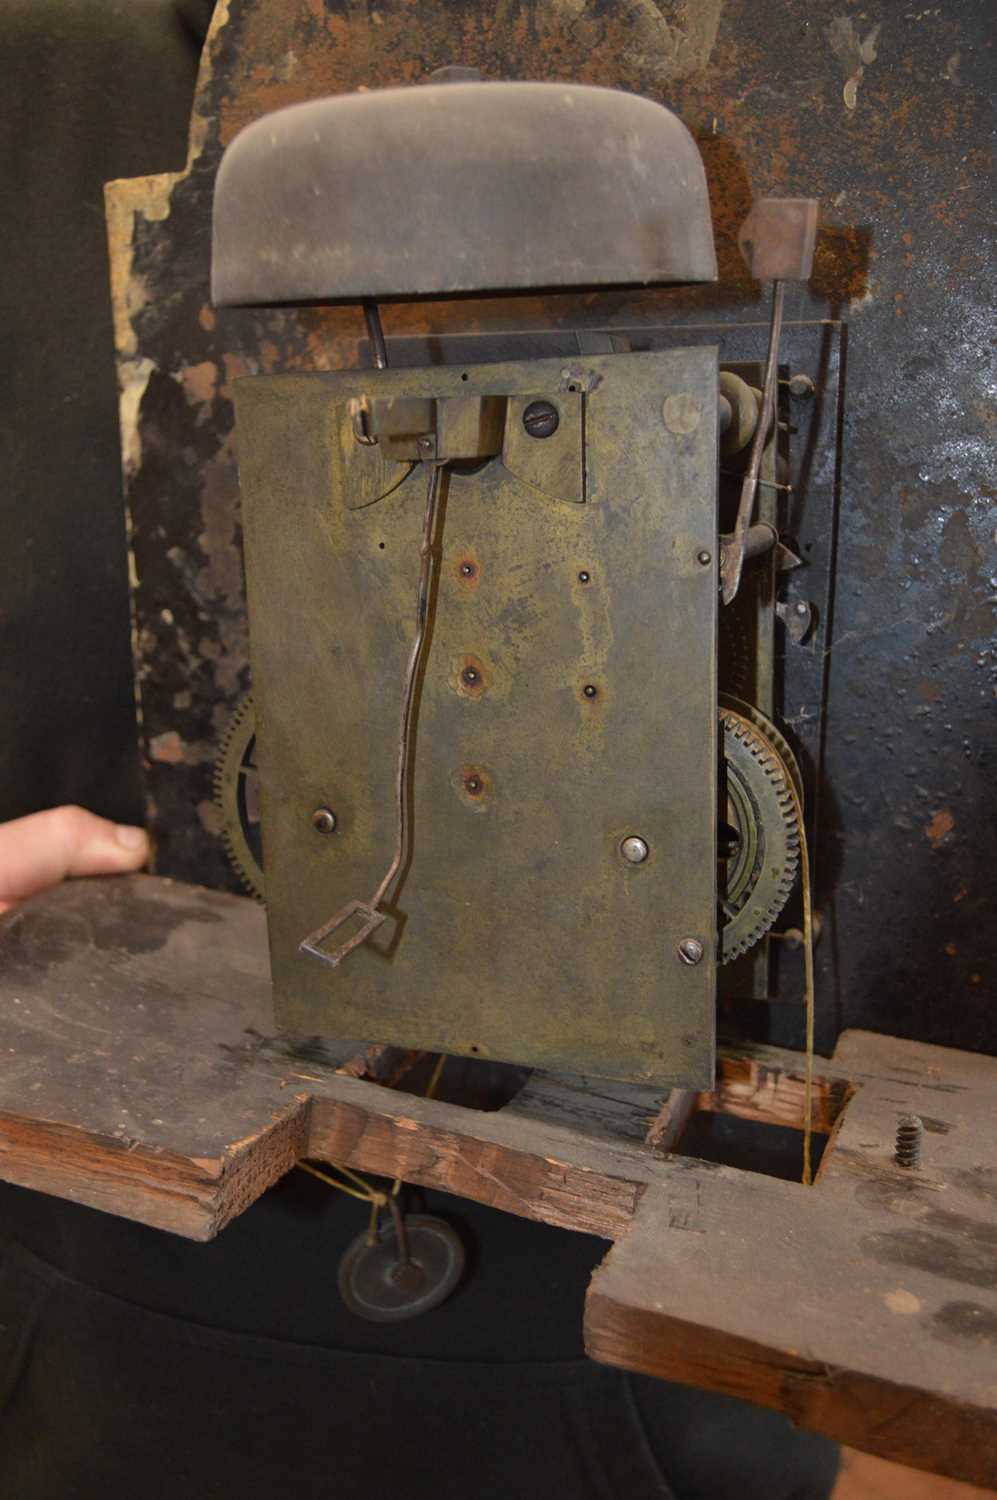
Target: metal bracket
312 944
797 616
389 433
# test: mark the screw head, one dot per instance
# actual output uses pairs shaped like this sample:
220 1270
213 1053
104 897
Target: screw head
704 558
584 577
634 849
541 419
473 785
801 608
801 386
470 676
690 951
590 690
467 569
324 820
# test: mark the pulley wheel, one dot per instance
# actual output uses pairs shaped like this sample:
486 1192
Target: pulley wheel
376 1285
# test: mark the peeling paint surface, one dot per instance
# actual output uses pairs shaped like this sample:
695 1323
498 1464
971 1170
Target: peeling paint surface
939 827
885 115
854 54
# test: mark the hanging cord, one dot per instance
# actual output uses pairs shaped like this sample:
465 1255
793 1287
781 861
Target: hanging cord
367 1192
431 1088
808 970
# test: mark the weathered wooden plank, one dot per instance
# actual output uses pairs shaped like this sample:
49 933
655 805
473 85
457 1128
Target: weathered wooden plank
600 1109
191 1196
866 1306
138 1074
546 1172
138 1070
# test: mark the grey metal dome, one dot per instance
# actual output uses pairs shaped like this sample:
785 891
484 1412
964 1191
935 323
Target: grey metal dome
451 188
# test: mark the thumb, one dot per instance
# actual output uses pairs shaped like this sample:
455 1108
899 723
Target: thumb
38 851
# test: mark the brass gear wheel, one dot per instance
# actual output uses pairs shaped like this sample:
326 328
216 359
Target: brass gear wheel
761 864
237 796
762 845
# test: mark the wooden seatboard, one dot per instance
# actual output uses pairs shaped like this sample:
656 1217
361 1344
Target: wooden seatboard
139 1073
864 1307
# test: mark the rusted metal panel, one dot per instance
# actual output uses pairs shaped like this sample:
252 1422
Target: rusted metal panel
778 239
886 118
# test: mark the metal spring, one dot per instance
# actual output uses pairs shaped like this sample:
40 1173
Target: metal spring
910 1131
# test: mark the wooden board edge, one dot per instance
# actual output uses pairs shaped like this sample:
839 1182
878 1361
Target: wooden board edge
252 1165
194 1197
917 1428
535 1184
677 1109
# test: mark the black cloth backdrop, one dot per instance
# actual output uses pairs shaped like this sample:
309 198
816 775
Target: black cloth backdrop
133 1362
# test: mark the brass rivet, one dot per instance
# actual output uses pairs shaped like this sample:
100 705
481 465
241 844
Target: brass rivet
324 820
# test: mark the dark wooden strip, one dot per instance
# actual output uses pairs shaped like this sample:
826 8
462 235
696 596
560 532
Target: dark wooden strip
907 1424
539 1170
191 1196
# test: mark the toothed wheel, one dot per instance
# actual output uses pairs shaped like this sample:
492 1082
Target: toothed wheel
237 795
760 841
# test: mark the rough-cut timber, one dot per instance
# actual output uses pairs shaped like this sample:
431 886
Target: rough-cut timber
865 1307
139 1074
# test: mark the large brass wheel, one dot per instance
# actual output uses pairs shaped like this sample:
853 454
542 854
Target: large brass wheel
760 837
237 795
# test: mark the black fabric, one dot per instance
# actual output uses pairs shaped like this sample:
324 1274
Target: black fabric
233 1368
198 1412
133 1362
92 90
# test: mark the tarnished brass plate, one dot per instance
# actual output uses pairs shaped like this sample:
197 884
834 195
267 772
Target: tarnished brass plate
519 931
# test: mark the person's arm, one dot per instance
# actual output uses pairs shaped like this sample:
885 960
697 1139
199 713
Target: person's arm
40 850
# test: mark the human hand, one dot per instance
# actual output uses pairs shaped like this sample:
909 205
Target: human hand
40 850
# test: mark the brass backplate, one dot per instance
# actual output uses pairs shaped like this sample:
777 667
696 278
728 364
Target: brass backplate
518 929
